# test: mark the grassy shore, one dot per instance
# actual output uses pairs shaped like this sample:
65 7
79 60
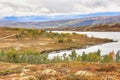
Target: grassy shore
42 41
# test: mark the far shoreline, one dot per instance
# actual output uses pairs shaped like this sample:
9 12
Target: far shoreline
70 49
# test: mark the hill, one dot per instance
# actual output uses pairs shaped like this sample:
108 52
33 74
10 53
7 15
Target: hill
64 23
101 28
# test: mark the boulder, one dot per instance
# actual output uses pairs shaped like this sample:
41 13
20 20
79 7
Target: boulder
83 73
47 74
28 78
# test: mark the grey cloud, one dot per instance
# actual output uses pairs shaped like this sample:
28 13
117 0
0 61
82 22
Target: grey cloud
93 6
51 7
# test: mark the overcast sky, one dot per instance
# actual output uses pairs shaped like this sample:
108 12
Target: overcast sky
53 7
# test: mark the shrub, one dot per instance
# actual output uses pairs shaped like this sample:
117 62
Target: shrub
74 33
108 58
34 57
78 58
65 58
117 57
73 55
57 59
69 40
60 40
84 57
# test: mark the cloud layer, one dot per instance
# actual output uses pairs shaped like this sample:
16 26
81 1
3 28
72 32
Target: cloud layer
54 7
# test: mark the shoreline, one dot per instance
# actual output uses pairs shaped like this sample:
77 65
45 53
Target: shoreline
69 49
80 31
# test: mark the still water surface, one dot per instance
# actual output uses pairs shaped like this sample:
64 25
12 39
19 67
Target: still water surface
105 48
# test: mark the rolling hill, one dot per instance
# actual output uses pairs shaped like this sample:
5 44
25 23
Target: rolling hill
64 23
99 28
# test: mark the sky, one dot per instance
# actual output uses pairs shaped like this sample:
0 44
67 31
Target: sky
51 9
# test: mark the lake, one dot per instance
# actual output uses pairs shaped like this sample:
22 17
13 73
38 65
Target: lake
105 48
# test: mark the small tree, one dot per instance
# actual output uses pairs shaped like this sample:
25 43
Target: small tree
45 58
78 58
112 55
84 56
11 56
73 55
60 40
74 33
65 58
56 59
98 52
108 58
69 40
105 59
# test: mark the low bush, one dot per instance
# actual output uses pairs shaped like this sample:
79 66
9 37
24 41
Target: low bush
34 57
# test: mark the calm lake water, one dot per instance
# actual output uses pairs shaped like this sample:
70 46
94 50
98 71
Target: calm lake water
105 48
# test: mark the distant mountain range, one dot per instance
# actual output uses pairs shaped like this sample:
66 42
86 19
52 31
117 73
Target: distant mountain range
41 18
64 23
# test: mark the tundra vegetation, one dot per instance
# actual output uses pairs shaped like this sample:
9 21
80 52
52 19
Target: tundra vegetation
44 41
36 66
34 57
24 56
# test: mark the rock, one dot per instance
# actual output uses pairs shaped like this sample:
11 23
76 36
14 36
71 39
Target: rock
17 48
47 74
28 78
83 73
109 77
26 70
13 79
22 74
49 71
13 75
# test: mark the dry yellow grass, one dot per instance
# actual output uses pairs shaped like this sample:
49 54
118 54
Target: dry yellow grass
42 43
59 71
